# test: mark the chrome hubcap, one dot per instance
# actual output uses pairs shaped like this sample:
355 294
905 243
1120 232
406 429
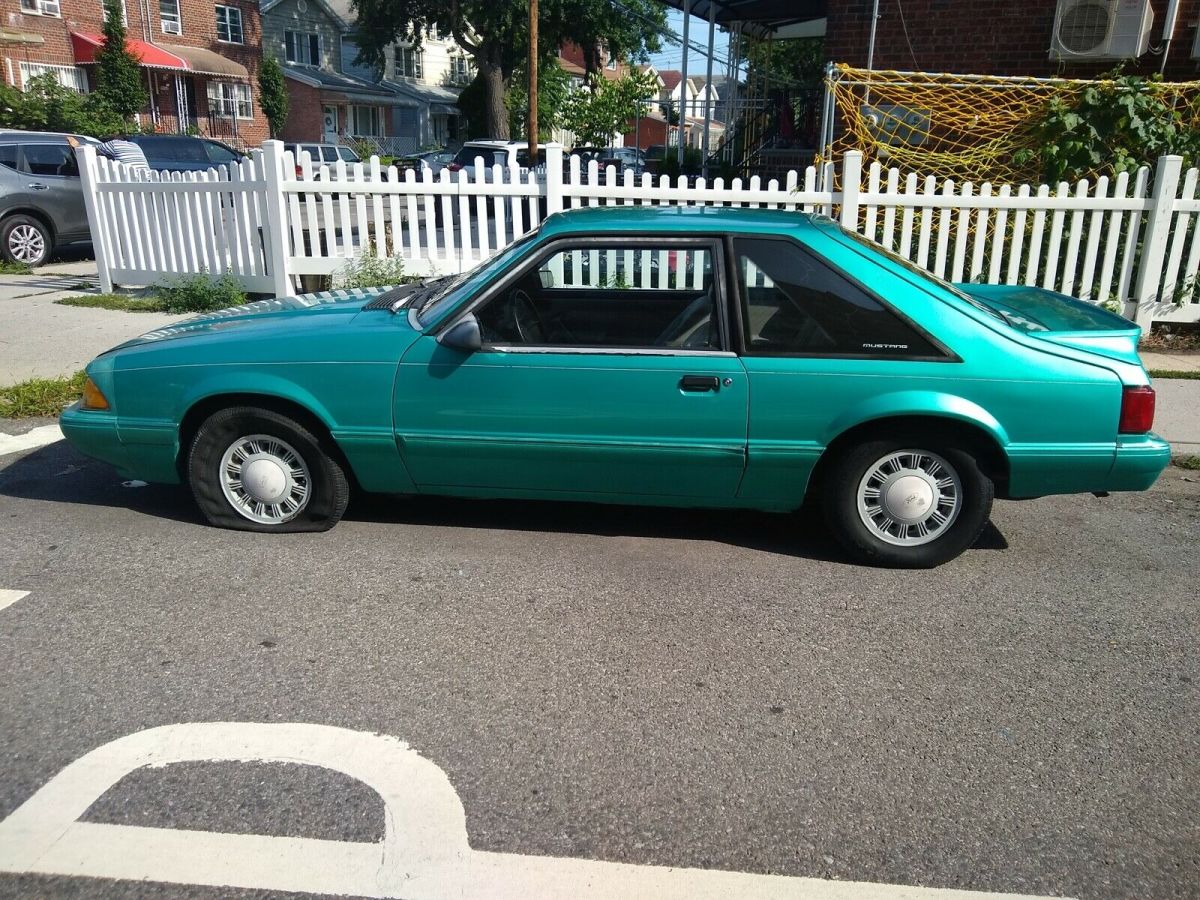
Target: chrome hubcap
26 244
264 479
909 497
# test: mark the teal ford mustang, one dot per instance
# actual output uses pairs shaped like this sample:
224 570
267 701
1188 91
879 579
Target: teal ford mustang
673 356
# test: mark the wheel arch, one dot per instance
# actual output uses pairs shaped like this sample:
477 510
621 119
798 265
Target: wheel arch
970 434
33 213
203 407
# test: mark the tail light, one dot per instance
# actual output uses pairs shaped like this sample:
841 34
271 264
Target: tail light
1137 410
299 172
454 167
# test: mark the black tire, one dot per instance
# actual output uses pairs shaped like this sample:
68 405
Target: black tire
840 496
14 233
328 493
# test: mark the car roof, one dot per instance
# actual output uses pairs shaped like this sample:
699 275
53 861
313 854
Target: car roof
599 219
18 136
497 144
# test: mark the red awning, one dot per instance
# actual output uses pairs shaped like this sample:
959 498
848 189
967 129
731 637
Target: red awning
149 55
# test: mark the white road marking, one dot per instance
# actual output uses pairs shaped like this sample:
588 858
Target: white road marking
424 854
8 598
30 440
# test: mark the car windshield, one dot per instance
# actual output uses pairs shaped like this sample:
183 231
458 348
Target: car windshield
442 292
174 149
926 275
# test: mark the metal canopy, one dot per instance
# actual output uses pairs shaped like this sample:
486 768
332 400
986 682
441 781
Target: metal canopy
761 18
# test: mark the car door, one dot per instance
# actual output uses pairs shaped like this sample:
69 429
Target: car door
604 372
53 185
818 346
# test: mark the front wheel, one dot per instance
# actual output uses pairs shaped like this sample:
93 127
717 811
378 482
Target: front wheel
906 504
257 470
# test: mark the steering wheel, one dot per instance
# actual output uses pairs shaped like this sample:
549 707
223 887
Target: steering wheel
528 321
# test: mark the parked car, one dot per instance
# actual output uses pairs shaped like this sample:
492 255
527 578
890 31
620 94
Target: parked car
41 196
433 160
771 356
183 152
327 154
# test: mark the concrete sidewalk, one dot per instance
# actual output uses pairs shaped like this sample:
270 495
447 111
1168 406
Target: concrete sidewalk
1170 362
39 339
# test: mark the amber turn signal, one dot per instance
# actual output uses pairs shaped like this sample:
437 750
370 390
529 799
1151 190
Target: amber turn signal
92 398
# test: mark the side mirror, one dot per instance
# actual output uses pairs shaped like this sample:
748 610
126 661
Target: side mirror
463 335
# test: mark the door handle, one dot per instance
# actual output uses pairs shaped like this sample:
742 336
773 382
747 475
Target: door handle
38 186
699 383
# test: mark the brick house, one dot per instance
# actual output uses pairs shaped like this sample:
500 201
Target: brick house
999 37
200 59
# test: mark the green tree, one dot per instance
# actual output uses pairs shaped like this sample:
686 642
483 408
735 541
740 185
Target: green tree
272 94
495 34
118 75
603 108
554 88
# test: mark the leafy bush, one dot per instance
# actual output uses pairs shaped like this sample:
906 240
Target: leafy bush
45 105
693 162
199 293
369 270
1114 126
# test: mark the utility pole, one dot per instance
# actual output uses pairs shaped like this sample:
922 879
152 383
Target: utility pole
533 83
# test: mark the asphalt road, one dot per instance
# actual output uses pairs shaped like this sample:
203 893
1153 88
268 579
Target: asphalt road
699 689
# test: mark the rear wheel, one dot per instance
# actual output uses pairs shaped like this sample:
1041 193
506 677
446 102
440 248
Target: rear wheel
257 470
24 239
907 503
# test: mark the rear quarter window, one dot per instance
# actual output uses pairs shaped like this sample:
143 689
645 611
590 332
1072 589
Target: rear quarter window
796 304
8 156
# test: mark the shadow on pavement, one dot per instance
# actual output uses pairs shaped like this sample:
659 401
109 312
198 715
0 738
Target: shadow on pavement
59 474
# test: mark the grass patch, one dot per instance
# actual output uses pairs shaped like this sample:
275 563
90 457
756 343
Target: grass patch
14 268
1192 374
40 396
187 294
1187 462
114 301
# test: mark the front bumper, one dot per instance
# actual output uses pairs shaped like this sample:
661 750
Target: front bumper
95 434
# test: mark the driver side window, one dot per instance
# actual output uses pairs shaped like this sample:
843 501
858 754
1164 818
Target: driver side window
637 296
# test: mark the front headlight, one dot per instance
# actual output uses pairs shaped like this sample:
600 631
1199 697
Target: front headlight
93 398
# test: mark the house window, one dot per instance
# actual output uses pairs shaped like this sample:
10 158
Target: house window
229 25
41 8
611 65
68 76
303 48
365 120
228 99
168 16
461 70
408 62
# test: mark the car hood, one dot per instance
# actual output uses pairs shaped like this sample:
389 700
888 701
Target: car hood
1060 319
326 309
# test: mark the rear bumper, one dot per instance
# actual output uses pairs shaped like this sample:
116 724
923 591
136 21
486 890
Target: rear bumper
1139 460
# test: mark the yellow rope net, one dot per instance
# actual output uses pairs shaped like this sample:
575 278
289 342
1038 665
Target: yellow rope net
965 127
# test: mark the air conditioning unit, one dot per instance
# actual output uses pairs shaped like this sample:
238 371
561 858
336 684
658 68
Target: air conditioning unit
170 27
1101 29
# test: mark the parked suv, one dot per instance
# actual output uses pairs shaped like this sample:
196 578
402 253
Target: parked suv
183 153
503 153
41 197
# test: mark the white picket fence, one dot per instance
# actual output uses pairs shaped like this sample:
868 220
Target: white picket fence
1134 238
